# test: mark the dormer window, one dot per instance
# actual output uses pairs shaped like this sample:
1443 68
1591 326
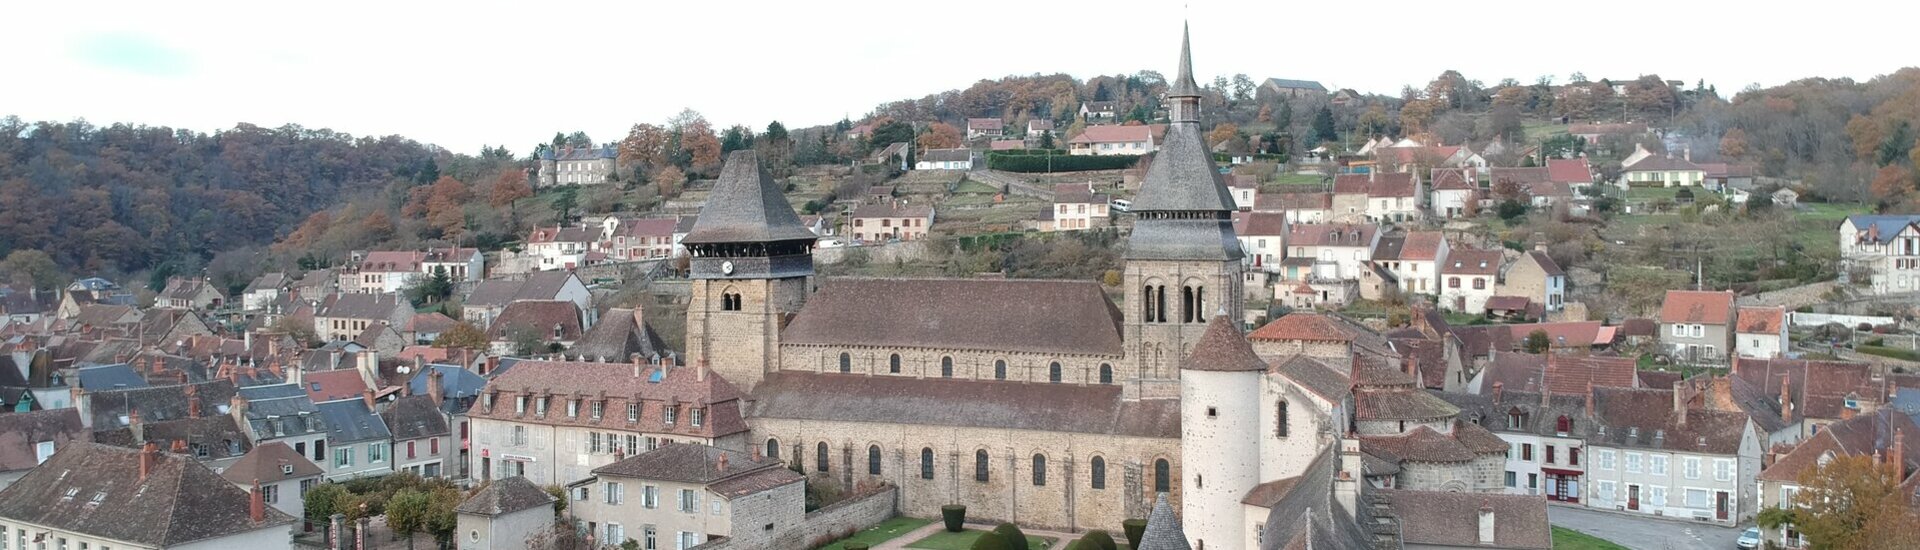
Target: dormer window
1563 425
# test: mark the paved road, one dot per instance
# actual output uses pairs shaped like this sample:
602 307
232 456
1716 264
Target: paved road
1644 533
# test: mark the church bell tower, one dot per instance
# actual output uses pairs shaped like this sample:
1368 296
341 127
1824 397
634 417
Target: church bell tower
752 259
1183 262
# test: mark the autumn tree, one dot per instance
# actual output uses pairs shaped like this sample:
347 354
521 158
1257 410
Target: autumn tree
462 336
446 207
669 180
1850 502
1222 133
940 135
697 140
647 146
510 186
1892 184
30 268
407 513
1266 114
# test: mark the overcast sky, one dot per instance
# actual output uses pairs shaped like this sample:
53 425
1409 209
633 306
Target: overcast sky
463 74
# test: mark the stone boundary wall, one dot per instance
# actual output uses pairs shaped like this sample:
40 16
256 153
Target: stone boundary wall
855 513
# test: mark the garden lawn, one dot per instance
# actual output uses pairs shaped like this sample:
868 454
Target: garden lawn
1568 539
963 540
885 531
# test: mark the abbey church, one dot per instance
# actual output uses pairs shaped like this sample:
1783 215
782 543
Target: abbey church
1043 402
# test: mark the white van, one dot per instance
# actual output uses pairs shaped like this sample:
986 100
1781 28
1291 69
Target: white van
1122 205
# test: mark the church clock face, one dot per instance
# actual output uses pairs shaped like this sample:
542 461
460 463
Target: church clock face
726 267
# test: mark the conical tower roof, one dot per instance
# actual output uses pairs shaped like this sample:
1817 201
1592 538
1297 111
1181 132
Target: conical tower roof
1184 206
1223 349
746 207
1163 529
1183 84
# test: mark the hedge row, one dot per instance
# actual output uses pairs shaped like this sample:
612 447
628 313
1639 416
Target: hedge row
1058 163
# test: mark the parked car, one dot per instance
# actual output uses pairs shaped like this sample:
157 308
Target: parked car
1749 539
1122 205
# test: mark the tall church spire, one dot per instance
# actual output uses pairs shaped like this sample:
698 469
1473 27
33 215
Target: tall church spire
1183 205
1183 84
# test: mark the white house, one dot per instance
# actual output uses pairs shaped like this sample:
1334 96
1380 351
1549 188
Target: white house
1113 140
1760 332
1885 248
1076 207
1468 279
1454 192
562 247
945 159
1262 236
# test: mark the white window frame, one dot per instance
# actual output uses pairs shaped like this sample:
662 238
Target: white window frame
1603 459
1723 469
1657 464
1632 462
1692 467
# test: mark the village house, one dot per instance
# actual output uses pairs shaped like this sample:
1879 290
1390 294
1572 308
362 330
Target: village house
284 476
190 294
1113 140
31 437
892 221
1760 332
1298 207
1792 399
1545 433
1593 132
1661 171
1262 236
1654 453
1535 277
358 441
392 271
492 296
1338 251
690 493
1725 178
342 317
282 414
562 247
1376 198
1245 188
1414 259
1099 111
1290 89
1468 279
985 127
554 422
1575 173
1411 157
1456 192
422 440
546 325
264 291
1038 127
99 496
1886 436
507 513
1076 207
577 166
1697 326
945 159
1883 248
632 240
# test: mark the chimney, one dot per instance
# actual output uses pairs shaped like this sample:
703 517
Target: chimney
435 387
134 425
1786 398
238 408
256 503
246 342
1682 393
193 402
419 363
1496 392
700 372
367 395
1486 522
1589 400
723 462
148 453
1346 482
296 374
1899 456
637 362
1687 153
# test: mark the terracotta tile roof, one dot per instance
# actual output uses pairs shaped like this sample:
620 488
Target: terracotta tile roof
618 336
562 234
21 432
1088 409
1272 202
1522 176
1563 334
1223 348
362 306
1639 326
1301 325
543 285
1444 519
434 322
1482 340
984 123
1265 495
1572 374
618 384
1816 389
1468 261
333 385
1424 444
1508 303
892 210
1660 163
1697 306
1434 153
1616 128
267 462
1431 356
1021 315
506 496
1645 418
1549 189
1761 320
1422 245
1452 179
1862 436
1569 171
1006 144
1331 234
1114 134
178 502
1262 224
1388 184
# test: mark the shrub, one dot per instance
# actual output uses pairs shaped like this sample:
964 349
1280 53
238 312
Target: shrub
1097 540
954 516
998 160
1135 528
855 546
1015 539
990 541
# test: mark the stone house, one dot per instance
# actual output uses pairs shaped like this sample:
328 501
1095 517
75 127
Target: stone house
505 513
492 296
1885 436
422 441
690 493
1536 277
1697 326
577 166
284 476
283 414
1792 399
1546 435
1653 454
638 239
29 438
343 317
1760 332
1468 279
552 324
1291 89
556 421
190 294
1076 206
100 496
891 221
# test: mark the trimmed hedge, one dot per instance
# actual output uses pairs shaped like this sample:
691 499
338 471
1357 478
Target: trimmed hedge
1895 353
1136 529
1028 163
1015 539
855 546
990 541
1096 540
954 517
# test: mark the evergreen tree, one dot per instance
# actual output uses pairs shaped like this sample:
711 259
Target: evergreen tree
1323 125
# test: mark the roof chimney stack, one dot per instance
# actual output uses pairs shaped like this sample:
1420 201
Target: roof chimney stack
1899 455
1786 398
723 462
435 386
256 503
148 453
1497 386
1485 535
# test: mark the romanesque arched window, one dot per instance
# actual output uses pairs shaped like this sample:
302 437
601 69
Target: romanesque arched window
846 362
1147 303
946 367
1099 473
1039 470
730 301
820 457
893 363
1053 372
1186 304
1106 373
980 465
926 463
1162 476
873 460
773 448
1000 369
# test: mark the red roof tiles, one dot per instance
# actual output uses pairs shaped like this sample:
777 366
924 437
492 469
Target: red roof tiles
1697 306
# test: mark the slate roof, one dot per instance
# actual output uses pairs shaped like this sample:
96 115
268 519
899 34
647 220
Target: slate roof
746 207
539 316
281 410
892 210
1296 84
459 387
267 462
1448 519
542 285
1547 265
1661 163
1522 176
179 502
692 463
20 432
1310 234
1389 248
505 496
1882 228
1114 134
1453 179
1706 307
947 155
1306 516
1259 224
618 336
1019 315
580 153
414 417
1866 435
1163 528
619 384
106 377
563 234
159 403
358 305
1536 418
1645 418
1223 348
216 435
1073 408
267 281
1314 376
1183 178
350 421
